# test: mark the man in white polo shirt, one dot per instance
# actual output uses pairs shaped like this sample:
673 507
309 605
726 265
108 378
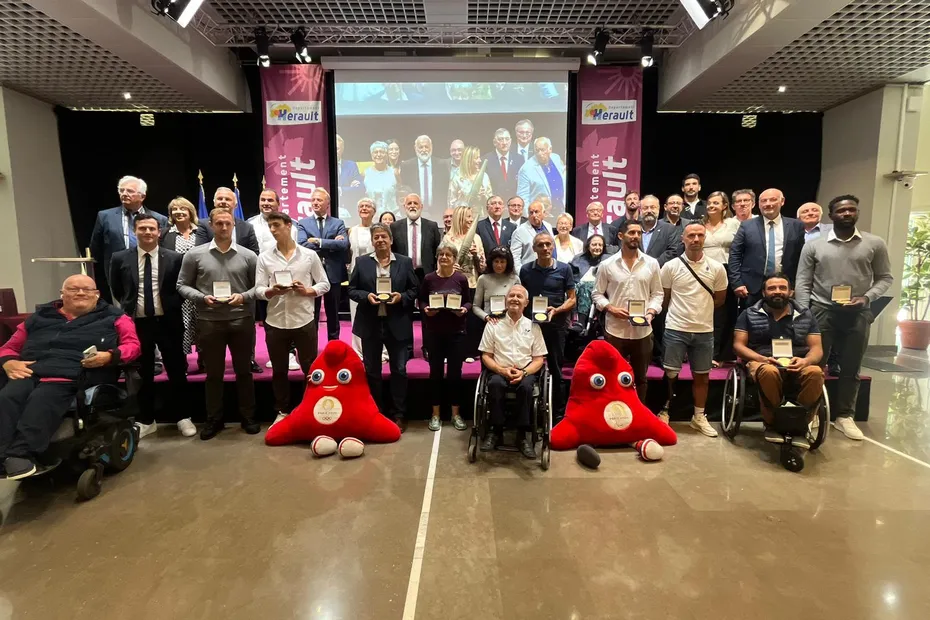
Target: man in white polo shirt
290 277
694 285
514 350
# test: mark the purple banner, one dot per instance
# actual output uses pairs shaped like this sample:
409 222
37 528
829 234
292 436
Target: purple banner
609 138
295 135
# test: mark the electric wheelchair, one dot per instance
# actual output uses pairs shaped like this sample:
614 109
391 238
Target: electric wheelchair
741 403
541 413
96 434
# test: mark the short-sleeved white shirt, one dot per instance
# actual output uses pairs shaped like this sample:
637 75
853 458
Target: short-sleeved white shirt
691 307
513 343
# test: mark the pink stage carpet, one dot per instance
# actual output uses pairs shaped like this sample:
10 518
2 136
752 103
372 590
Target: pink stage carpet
417 368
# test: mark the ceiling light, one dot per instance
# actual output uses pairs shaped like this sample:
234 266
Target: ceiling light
601 39
645 46
782 89
299 39
181 11
127 96
262 47
702 11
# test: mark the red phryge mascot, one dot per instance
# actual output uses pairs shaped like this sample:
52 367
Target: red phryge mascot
603 408
337 406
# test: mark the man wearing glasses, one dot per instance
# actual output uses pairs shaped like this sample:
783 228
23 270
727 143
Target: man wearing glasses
114 229
43 360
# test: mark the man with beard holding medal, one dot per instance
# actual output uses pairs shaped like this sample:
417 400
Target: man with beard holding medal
780 343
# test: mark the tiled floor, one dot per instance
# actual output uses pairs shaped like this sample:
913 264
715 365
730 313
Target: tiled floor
232 529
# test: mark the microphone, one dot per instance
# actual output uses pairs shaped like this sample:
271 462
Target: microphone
588 456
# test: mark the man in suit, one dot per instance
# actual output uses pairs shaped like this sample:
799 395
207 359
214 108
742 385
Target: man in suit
243 233
428 177
495 229
695 208
744 201
543 175
515 208
594 225
416 237
503 164
113 230
673 207
350 181
144 283
385 325
763 246
327 236
810 214
524 130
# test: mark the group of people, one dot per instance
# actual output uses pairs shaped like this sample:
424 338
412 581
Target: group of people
506 288
527 169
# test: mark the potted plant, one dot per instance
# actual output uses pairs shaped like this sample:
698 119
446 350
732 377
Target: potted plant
915 290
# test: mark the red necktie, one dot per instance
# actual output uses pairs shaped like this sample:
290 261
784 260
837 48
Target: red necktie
416 245
503 169
595 230
497 232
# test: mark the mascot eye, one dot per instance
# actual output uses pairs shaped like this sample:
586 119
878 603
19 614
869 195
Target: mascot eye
625 379
598 381
344 376
316 377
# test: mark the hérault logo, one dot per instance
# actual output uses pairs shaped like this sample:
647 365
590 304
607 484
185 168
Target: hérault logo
292 112
608 112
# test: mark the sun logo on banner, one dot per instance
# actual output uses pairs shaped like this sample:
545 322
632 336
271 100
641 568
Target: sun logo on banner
279 111
595 110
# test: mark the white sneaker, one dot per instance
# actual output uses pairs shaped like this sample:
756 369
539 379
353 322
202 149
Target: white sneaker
187 428
268 364
699 422
280 417
292 363
146 429
663 415
847 426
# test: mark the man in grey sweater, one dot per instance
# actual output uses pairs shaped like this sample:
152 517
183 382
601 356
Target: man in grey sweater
839 276
219 277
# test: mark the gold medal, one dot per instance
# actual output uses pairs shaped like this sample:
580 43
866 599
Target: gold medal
383 296
541 316
784 361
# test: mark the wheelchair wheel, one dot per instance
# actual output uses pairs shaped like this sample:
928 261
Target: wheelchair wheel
88 486
791 458
731 410
122 448
473 445
818 434
545 454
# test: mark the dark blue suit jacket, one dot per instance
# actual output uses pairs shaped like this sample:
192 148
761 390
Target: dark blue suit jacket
505 189
107 238
748 252
486 233
399 317
348 195
333 253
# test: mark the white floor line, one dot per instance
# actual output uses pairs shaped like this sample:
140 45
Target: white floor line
413 584
898 452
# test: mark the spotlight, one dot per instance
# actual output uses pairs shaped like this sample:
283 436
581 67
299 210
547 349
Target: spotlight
702 11
262 46
127 96
181 11
645 46
299 39
601 39
782 89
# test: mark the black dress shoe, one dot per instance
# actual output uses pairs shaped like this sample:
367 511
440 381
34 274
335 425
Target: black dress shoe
401 424
251 427
256 369
526 449
18 467
211 430
491 441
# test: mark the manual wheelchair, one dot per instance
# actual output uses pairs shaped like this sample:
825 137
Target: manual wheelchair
741 403
541 412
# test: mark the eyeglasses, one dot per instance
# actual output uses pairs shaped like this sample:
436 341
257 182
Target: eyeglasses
73 290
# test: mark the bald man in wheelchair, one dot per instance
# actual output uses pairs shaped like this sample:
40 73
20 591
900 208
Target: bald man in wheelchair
780 344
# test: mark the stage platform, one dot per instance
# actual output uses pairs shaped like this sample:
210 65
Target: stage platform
418 373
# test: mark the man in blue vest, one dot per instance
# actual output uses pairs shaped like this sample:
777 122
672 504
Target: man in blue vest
43 360
778 317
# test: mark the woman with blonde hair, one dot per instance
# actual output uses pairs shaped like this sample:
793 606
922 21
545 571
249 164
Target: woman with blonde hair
472 264
720 229
567 247
466 177
182 224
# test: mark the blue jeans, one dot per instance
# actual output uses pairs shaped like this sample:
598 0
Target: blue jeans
698 347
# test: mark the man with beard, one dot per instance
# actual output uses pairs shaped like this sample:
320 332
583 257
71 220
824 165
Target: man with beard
775 317
428 177
660 240
267 204
633 277
695 208
632 202
673 207
844 257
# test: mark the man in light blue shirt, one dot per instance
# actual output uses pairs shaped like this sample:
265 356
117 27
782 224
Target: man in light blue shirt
810 214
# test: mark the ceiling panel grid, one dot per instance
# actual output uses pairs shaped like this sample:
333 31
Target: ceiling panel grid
307 12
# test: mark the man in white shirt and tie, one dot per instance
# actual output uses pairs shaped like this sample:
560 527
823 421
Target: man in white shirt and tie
594 225
524 130
289 277
495 229
515 207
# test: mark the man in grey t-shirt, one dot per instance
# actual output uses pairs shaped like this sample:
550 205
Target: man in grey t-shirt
220 278
840 274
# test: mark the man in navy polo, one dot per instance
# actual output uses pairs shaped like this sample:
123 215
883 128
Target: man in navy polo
546 277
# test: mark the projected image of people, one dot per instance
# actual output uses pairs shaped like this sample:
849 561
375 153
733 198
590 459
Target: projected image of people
451 143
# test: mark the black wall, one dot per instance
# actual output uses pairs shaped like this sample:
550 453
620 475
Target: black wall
98 148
